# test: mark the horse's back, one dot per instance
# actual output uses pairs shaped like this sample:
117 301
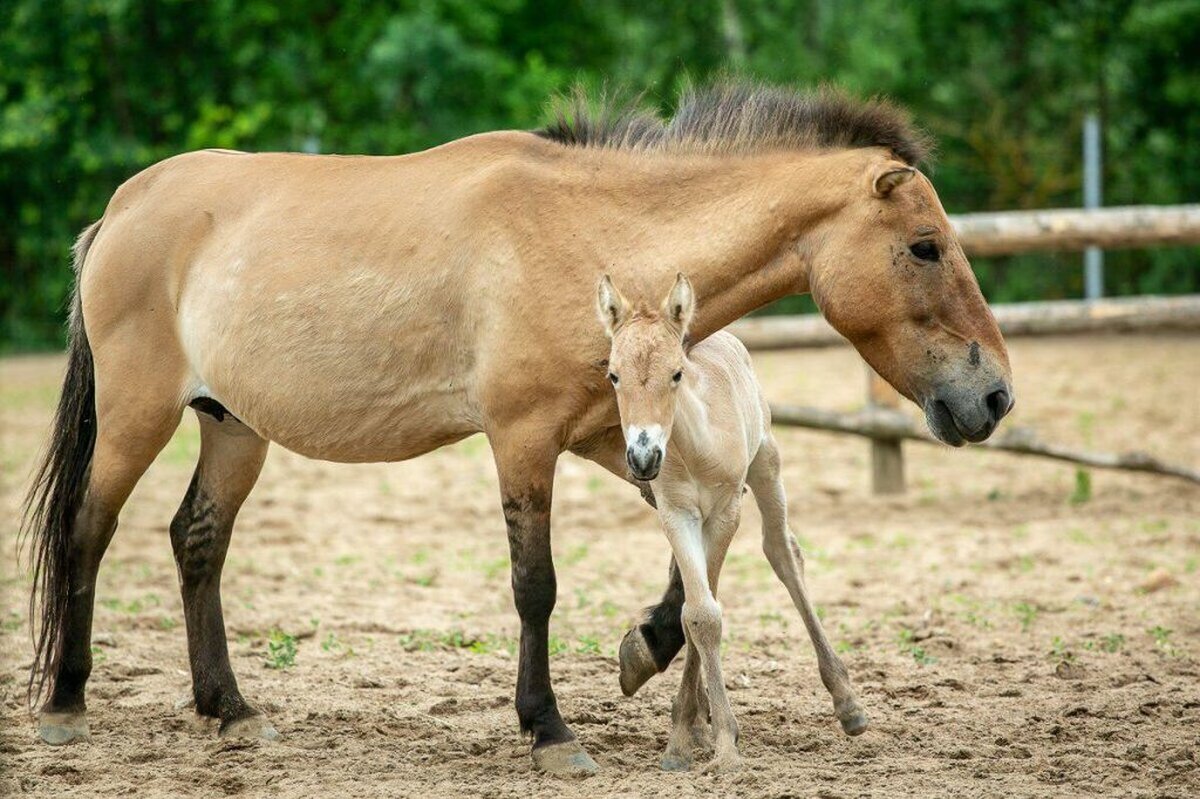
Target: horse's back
324 300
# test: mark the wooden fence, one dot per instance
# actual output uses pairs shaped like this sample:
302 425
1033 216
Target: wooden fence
993 234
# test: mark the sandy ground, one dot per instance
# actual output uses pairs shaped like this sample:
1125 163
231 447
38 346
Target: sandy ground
1006 641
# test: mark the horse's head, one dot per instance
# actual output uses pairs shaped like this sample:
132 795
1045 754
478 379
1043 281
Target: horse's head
646 366
890 276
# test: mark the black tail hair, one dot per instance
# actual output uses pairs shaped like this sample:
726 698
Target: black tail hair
57 493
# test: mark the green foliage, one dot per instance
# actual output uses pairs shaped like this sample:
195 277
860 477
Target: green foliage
92 91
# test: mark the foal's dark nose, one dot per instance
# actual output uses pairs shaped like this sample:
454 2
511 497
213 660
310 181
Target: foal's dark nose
999 403
644 462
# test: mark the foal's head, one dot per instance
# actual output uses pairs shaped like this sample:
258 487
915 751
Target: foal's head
890 276
646 367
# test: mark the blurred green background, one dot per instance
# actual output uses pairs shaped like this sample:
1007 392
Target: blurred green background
91 91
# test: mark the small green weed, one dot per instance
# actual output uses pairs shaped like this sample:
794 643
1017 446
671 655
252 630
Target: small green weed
281 650
908 645
1059 652
1162 640
1083 487
1026 613
588 645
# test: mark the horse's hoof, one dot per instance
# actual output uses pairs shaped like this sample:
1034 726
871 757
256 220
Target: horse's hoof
564 760
637 664
675 761
854 720
57 729
250 727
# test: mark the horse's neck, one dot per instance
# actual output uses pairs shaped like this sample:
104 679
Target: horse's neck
741 228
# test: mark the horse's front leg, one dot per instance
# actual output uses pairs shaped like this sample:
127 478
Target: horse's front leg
526 472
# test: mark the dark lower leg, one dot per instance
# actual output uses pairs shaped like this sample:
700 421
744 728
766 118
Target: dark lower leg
663 627
93 532
200 534
534 591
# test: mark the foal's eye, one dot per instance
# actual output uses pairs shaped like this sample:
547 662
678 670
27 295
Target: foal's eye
925 250
612 378
675 378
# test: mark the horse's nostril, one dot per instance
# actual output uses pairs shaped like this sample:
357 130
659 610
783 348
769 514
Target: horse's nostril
998 403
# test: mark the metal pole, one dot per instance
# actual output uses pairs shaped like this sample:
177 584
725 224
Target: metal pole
1093 257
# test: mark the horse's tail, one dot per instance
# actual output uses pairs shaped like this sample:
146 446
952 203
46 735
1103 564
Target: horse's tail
58 490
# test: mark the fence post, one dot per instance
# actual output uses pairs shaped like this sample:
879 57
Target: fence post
887 455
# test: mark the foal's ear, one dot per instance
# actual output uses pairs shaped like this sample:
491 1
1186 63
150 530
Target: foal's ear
888 176
679 305
611 306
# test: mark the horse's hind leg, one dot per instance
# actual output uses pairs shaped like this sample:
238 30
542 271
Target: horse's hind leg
231 456
128 437
788 562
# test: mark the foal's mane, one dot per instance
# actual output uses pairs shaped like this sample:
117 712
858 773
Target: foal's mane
737 117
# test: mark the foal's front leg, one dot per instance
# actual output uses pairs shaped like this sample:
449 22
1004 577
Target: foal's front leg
702 626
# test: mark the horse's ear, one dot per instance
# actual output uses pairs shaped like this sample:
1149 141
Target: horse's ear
611 306
679 305
888 176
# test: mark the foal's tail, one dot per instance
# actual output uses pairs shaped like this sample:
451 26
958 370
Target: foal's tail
57 492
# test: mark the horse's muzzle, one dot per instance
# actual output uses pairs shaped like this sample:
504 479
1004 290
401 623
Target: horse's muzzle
956 417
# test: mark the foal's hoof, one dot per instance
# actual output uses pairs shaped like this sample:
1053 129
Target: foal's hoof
250 727
853 719
564 760
637 664
725 763
676 761
57 729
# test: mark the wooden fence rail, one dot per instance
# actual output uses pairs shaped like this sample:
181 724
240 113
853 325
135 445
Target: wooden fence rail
1123 314
1007 232
883 424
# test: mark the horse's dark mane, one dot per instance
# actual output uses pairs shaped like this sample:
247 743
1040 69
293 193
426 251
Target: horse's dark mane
738 117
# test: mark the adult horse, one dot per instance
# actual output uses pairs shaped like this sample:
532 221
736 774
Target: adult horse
377 308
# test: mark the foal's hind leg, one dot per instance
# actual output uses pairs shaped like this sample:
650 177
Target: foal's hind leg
231 456
786 559
127 440
689 716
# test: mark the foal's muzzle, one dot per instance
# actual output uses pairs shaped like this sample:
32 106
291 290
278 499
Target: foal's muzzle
644 462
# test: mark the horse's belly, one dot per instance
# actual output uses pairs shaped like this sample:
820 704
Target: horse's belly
334 370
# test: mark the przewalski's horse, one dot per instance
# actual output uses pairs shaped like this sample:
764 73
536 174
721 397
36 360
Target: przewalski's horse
377 308
698 430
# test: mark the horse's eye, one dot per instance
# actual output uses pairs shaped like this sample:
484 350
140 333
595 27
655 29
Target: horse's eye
925 250
612 378
675 378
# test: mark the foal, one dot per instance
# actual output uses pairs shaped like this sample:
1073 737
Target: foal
698 430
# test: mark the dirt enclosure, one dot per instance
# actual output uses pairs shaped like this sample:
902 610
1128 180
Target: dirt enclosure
1012 630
